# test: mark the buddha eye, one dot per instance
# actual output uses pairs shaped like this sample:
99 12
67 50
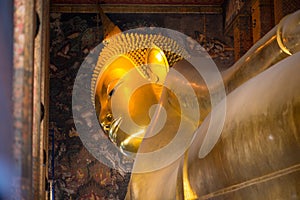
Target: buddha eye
111 92
112 87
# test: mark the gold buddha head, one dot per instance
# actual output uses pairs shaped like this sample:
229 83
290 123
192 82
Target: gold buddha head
128 83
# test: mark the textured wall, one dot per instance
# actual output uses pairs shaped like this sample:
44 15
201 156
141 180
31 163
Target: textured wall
78 175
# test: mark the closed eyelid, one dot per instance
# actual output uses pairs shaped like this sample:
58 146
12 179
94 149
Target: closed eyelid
112 87
111 92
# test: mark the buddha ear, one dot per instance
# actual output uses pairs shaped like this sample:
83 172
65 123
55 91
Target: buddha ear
157 65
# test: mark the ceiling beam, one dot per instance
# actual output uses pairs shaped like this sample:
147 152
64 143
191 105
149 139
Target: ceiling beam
136 8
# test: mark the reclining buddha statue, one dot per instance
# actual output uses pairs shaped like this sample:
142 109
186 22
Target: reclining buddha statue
197 134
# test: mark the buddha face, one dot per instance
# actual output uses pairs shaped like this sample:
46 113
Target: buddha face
124 96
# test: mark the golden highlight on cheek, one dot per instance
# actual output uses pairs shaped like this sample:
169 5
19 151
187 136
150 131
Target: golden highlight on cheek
139 108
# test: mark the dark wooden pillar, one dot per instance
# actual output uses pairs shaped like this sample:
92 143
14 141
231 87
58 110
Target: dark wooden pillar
40 101
23 97
242 35
262 18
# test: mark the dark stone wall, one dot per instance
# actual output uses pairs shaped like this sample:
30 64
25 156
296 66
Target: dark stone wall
77 174
194 25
